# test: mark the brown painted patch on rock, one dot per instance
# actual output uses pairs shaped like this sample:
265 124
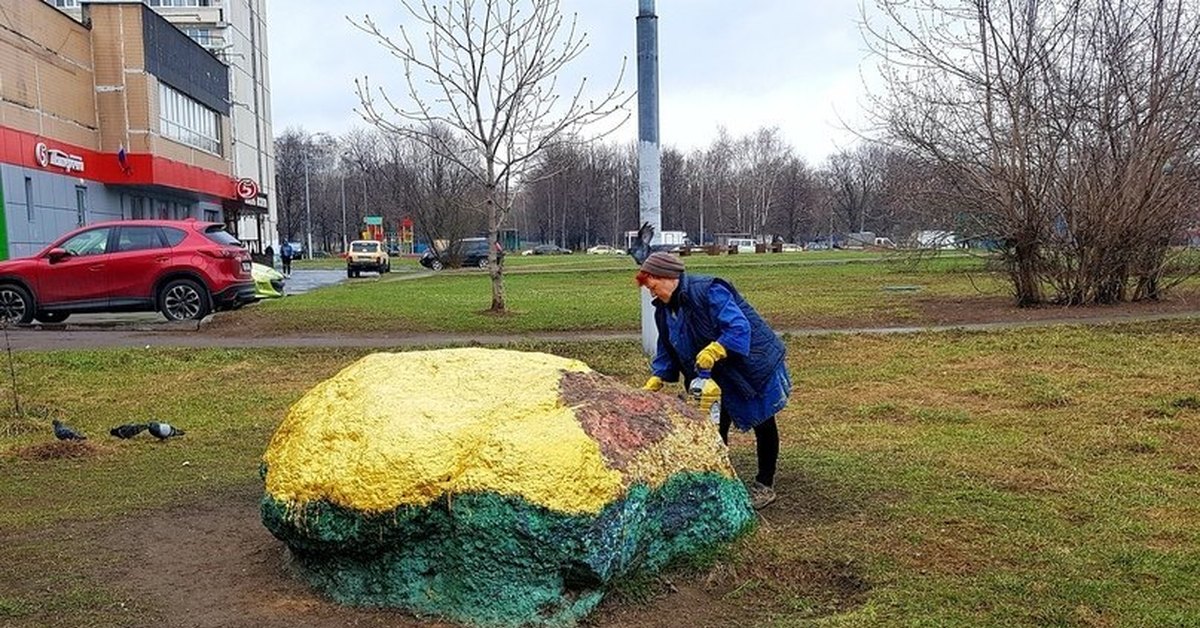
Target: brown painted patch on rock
621 420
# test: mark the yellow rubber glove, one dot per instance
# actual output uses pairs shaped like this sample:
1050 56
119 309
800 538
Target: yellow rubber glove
654 384
709 356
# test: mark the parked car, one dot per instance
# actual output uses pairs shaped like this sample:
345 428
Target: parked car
268 282
471 252
788 247
550 249
182 268
297 250
367 255
604 249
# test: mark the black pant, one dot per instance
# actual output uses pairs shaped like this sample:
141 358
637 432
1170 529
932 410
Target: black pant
766 445
287 265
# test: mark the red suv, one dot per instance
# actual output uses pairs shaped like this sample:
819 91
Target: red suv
182 268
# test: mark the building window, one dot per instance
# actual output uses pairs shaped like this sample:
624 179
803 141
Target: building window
187 121
212 215
179 3
137 208
29 198
81 204
71 4
203 36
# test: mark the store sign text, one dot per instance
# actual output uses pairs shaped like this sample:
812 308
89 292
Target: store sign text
54 158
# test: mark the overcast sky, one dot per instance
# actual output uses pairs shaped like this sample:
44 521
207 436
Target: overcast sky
795 64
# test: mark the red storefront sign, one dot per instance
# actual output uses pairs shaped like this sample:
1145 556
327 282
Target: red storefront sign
33 151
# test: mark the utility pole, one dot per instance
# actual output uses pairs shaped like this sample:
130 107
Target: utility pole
345 242
307 208
649 155
616 242
364 187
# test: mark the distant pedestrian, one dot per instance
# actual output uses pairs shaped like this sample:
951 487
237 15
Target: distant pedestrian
270 253
285 256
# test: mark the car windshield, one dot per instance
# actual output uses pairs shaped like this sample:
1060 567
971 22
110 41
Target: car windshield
364 247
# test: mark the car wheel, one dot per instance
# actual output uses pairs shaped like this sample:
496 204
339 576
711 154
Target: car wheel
483 263
16 305
51 317
182 300
349 273
387 268
436 264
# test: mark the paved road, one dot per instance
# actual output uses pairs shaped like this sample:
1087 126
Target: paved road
303 281
188 337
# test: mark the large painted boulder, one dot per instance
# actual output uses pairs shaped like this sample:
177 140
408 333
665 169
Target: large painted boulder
492 487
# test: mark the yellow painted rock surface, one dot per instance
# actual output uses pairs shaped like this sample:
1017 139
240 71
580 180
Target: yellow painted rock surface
405 429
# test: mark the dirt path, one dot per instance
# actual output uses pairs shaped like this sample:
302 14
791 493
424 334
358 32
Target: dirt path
44 340
212 564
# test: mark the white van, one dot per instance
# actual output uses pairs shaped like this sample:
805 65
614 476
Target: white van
744 245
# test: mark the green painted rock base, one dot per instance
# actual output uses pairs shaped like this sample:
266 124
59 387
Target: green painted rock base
493 560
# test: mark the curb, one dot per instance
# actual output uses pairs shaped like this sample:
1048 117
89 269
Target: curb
165 326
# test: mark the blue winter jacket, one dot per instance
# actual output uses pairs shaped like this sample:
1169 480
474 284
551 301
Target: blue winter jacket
753 377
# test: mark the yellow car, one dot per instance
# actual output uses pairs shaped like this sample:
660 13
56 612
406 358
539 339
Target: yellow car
268 282
367 255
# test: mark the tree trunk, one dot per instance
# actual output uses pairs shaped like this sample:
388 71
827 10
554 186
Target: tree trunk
496 252
1024 271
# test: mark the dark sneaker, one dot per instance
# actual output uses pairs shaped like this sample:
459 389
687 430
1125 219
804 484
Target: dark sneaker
761 495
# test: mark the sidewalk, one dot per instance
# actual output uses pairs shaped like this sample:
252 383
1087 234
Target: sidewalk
45 340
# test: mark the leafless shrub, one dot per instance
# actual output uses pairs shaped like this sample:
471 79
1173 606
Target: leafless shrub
1067 131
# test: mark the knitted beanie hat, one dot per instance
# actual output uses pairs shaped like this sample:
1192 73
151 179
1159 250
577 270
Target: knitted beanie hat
662 264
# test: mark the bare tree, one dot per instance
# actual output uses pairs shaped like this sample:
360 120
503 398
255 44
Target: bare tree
1067 131
361 162
766 160
493 67
856 179
796 216
444 192
289 181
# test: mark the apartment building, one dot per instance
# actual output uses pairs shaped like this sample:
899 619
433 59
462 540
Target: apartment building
235 32
118 115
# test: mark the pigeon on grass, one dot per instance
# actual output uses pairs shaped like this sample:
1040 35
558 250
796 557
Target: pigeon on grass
163 431
129 430
62 432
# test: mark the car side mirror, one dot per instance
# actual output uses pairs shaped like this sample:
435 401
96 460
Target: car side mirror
57 255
